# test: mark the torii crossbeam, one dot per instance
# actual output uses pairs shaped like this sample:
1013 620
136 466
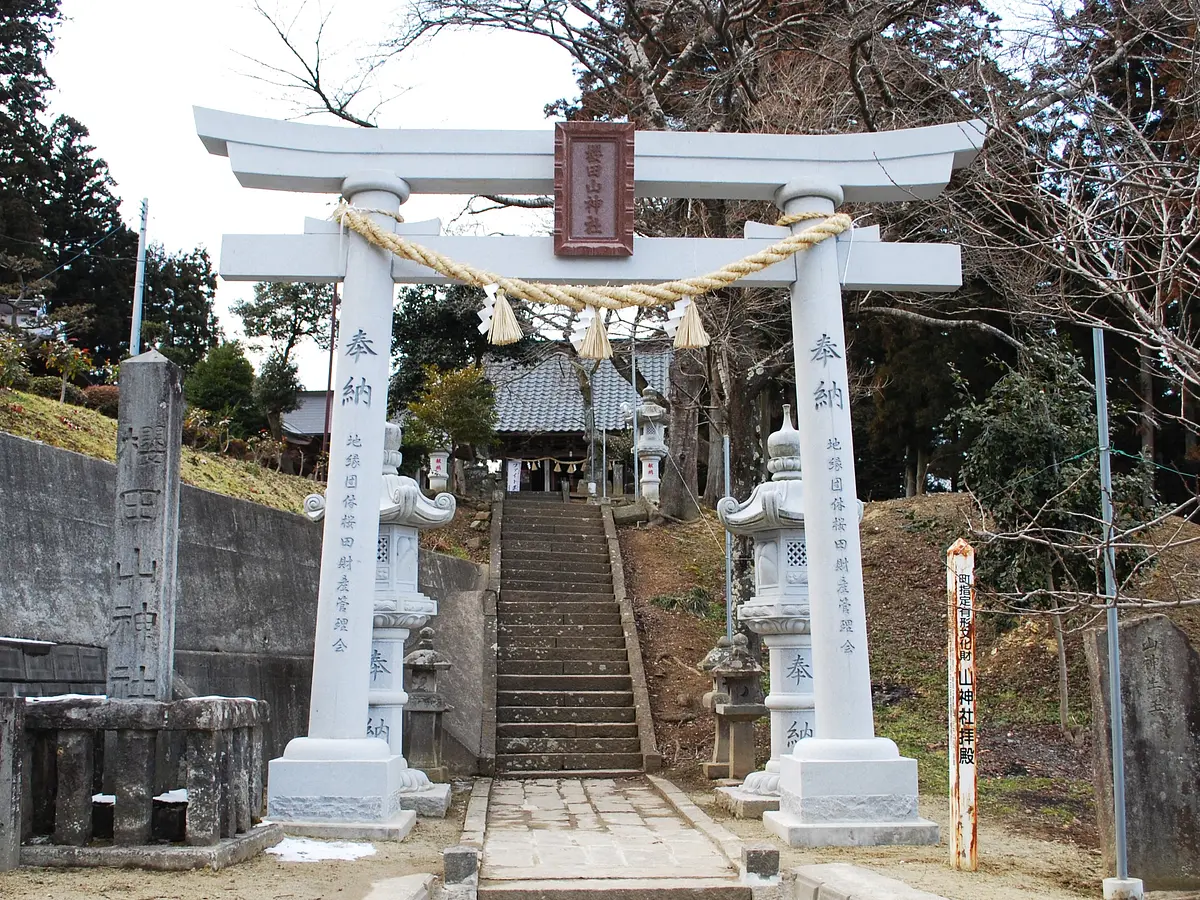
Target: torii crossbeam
842 786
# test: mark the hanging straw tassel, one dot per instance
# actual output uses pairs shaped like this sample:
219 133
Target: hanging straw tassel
691 334
505 329
595 342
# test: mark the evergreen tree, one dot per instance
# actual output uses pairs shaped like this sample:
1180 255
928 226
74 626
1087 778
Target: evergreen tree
287 314
277 391
223 383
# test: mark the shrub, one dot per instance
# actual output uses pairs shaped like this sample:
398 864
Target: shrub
695 601
46 386
104 398
12 362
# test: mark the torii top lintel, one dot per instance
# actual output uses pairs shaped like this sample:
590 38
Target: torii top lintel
885 166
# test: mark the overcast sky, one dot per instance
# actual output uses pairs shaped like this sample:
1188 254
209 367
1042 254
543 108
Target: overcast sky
131 70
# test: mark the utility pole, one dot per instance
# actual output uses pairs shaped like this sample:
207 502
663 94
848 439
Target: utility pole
139 283
1122 885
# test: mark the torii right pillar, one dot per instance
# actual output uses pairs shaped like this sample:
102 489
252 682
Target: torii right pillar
844 786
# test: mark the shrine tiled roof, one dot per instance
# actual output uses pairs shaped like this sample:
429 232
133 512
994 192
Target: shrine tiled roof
546 396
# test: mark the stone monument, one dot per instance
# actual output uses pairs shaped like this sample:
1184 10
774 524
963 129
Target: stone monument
1160 699
439 470
141 644
736 701
426 708
398 607
774 517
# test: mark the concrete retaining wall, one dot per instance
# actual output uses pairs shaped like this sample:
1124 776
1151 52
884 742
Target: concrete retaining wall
247 592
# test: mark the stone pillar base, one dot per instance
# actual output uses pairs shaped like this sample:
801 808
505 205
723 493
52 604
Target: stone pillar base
849 802
341 788
1123 888
745 805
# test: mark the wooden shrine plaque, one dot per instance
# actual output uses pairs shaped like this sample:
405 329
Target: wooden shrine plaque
593 189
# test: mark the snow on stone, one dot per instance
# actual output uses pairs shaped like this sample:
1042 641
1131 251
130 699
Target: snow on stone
309 850
110 799
179 795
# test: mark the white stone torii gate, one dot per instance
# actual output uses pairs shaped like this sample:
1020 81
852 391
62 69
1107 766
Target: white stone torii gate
844 785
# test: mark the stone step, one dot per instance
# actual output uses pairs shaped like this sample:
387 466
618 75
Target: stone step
560 618
568 730
570 684
563 582
566 603
551 563
557 530
611 655
568 644
511 596
530 745
535 519
549 545
512 551
565 700
623 888
566 762
562 667
558 631
559 715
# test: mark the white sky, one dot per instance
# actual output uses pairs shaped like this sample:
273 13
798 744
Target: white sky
131 70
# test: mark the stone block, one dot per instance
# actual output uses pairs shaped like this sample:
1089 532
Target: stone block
11 743
431 803
842 881
744 805
460 865
12 664
761 860
1160 697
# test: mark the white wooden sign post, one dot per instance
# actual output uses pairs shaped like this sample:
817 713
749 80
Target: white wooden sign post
843 786
963 728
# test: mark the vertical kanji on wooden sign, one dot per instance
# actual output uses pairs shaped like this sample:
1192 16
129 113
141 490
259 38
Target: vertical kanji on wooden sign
963 744
593 189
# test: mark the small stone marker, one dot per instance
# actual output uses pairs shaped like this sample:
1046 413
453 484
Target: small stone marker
149 430
1160 697
593 189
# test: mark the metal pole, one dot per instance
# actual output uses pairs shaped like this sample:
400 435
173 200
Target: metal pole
637 478
329 380
1110 593
728 552
604 465
139 285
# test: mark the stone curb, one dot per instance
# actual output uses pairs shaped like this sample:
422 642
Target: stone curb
160 858
651 758
727 842
487 728
842 881
475 821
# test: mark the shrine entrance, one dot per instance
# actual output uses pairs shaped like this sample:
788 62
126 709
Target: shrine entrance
844 785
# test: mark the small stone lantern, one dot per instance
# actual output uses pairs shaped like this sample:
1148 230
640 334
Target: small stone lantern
439 470
652 446
774 517
736 701
425 708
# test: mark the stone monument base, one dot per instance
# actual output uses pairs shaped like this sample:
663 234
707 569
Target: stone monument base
743 804
431 802
848 794
345 788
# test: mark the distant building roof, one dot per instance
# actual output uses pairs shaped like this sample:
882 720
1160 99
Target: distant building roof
309 417
546 396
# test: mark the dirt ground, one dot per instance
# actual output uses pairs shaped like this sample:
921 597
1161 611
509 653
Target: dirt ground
262 878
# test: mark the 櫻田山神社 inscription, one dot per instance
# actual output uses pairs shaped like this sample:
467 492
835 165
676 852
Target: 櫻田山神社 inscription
593 189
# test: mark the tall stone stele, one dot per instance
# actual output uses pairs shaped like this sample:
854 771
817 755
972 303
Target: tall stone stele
141 643
652 441
773 516
377 797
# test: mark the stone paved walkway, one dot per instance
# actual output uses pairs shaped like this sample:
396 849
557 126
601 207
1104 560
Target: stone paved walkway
547 829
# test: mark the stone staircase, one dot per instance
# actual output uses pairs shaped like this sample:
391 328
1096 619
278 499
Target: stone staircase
564 698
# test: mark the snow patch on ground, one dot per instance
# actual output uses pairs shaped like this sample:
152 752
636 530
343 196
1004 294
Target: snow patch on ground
309 850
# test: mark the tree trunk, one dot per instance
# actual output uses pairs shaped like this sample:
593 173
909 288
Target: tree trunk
1064 696
1148 424
922 469
62 394
714 481
677 492
910 472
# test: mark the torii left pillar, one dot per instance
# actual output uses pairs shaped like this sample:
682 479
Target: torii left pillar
336 781
844 786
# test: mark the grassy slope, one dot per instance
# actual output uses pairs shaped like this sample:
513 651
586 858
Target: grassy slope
1029 770
86 431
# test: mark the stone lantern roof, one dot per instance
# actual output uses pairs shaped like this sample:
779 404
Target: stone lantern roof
401 502
775 504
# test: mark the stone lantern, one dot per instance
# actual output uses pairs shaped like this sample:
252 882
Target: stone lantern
425 708
439 470
774 517
404 511
736 701
652 446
